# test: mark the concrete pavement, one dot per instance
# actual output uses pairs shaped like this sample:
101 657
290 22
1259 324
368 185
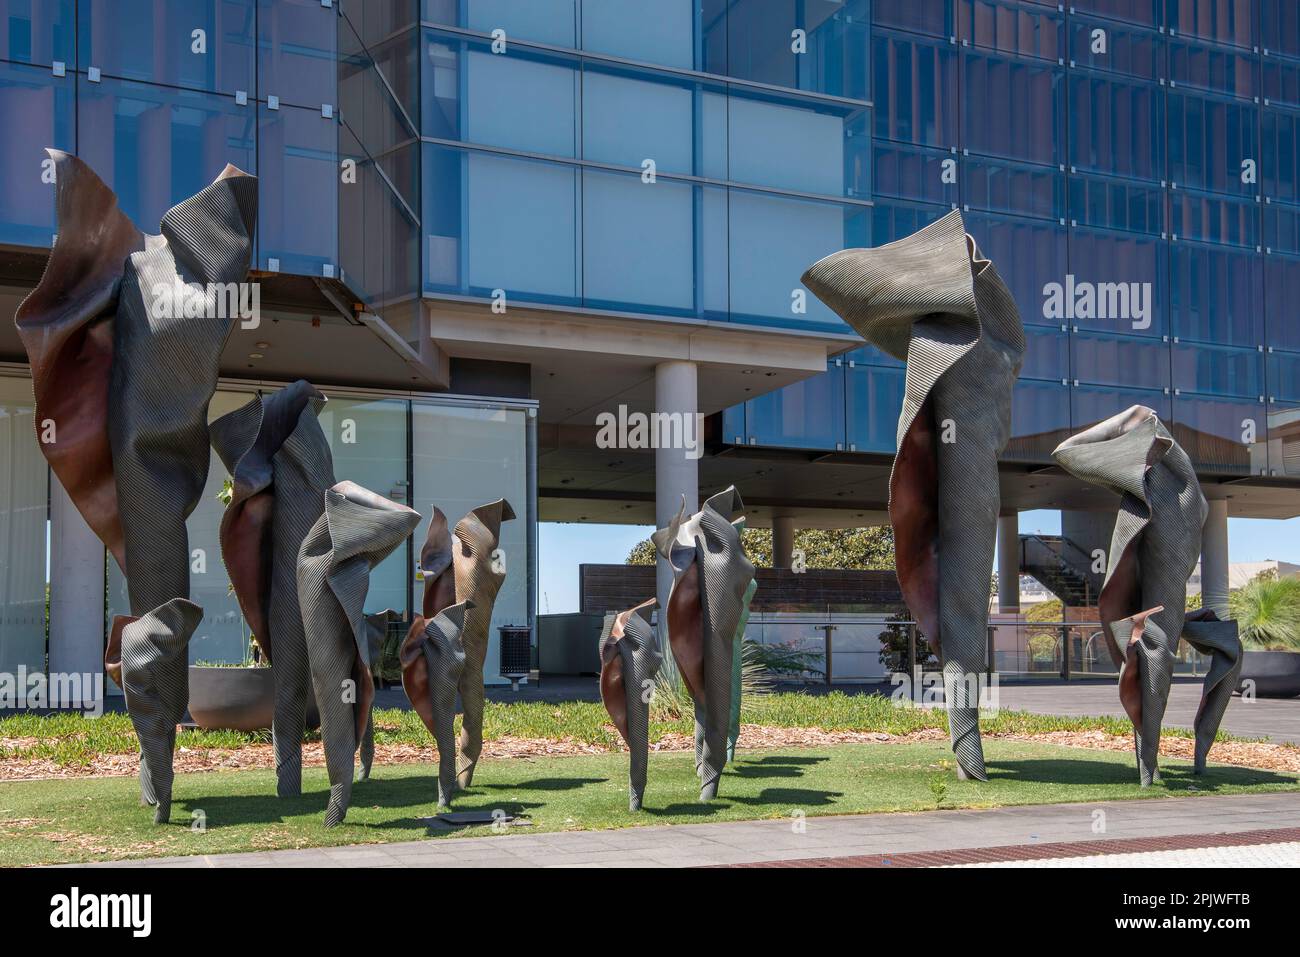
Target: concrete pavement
809 839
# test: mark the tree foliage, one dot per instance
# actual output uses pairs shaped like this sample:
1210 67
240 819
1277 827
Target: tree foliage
862 548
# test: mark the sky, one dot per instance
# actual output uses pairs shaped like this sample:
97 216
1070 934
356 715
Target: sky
563 547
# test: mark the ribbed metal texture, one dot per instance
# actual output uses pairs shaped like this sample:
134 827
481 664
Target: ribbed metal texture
357 530
478 579
280 467
125 334
1153 550
933 301
444 658
630 659
709 542
155 679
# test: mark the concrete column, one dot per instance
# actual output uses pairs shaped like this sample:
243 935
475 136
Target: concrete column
1214 558
1009 563
76 589
782 541
676 473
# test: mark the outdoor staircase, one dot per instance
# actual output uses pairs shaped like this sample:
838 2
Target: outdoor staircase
1062 567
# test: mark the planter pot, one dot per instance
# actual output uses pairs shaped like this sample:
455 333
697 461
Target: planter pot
236 699
1276 673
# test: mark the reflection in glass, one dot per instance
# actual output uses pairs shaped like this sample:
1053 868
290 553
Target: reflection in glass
23 553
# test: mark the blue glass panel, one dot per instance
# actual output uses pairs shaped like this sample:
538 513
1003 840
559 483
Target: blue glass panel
520 102
1133 362
1215 69
1102 266
1115 48
297 219
915 90
636 243
1216 294
890 221
1221 435
1011 27
1281 82
1224 21
934 18
806 415
1145 12
627 120
621 28
540 21
155 41
733 425
297 52
494 222
1209 143
1281 293
1040 420
440 87
1282 229
1280 21
1117 204
914 172
1047 353
1218 370
773 240
156 146
1028 253
1284 376
1000 186
1116 128
760 45
1092 404
1280 165
379 250
874 400
1215 220
1283 441
43 106
38 31
1013 109
798 146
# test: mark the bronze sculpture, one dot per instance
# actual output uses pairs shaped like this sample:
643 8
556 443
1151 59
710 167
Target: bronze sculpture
629 660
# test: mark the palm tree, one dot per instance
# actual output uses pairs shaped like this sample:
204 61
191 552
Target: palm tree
1267 609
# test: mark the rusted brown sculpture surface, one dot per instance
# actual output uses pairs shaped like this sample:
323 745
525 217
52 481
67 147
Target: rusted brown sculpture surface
629 660
124 340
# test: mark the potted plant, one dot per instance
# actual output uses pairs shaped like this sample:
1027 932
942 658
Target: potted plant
237 696
1267 610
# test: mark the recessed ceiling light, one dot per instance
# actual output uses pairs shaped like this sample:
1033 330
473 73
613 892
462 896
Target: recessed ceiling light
263 345
256 355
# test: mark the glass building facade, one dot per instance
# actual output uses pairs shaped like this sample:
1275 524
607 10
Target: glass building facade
690 159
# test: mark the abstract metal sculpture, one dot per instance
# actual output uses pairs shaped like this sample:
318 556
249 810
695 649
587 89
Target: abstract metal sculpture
712 579
356 531
280 466
1153 550
124 336
934 302
478 572
629 660
433 655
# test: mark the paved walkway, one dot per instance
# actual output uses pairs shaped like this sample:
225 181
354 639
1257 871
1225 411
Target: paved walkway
821 840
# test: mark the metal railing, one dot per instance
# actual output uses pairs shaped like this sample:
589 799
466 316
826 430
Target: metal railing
866 648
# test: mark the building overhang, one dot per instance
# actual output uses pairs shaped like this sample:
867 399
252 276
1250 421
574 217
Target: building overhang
586 362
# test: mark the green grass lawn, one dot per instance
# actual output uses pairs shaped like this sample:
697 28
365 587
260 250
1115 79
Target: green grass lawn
72 740
81 819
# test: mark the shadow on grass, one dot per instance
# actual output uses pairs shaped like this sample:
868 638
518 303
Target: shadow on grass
1177 777
772 766
544 784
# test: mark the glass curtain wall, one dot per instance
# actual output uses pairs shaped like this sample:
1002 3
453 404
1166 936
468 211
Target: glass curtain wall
24 556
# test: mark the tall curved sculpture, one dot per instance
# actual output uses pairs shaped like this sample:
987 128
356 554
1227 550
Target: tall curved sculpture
124 333
629 660
478 577
280 466
1153 550
711 578
356 531
933 301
